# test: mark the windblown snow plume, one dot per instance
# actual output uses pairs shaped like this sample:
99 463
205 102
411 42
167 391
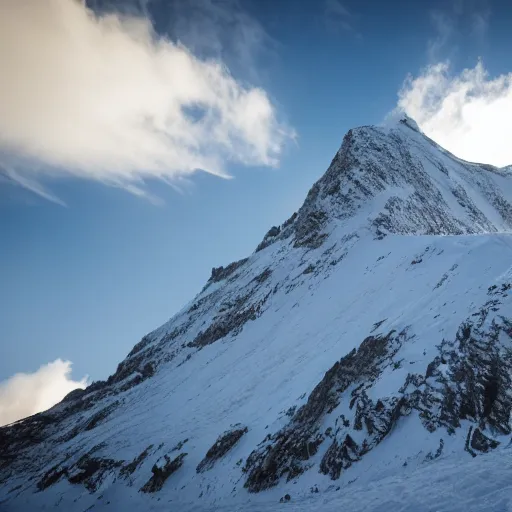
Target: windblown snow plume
104 98
468 114
25 394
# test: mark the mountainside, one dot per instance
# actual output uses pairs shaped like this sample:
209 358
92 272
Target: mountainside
369 335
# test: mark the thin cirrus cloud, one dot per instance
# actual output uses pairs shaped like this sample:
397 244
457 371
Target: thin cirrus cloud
467 113
104 98
339 18
458 19
25 394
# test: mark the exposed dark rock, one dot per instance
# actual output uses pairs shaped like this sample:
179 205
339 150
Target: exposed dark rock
291 411
309 232
223 444
273 231
74 395
179 446
438 453
339 456
261 278
90 471
269 237
286 451
98 418
143 343
378 418
24 434
220 273
289 221
277 232
52 476
161 472
229 322
474 373
466 444
137 366
481 442
129 468
223 326
376 325
177 331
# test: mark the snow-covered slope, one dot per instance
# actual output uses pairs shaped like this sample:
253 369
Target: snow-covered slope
367 336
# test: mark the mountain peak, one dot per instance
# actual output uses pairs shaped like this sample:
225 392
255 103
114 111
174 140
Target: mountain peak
393 179
353 322
398 119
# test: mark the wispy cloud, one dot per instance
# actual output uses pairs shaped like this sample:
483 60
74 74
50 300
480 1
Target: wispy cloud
444 27
480 22
458 18
468 113
338 18
102 97
25 394
223 30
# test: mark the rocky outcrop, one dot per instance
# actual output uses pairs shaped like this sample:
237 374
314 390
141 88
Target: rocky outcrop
340 456
223 444
162 470
287 451
52 476
230 321
91 471
129 469
100 416
371 161
220 273
482 443
469 380
269 237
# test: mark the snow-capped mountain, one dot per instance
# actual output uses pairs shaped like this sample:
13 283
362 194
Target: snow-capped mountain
368 337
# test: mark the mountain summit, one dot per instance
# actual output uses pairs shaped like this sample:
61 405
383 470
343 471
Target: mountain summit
366 337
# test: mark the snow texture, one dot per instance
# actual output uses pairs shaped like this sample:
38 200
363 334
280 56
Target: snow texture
359 359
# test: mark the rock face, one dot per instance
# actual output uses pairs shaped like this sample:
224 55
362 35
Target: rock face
223 444
369 333
88 470
162 470
220 273
287 452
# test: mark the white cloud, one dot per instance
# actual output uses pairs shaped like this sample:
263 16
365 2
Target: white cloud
103 98
469 113
25 394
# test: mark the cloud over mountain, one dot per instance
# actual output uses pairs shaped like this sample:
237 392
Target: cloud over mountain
102 97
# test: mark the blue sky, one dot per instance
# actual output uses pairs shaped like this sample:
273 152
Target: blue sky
84 282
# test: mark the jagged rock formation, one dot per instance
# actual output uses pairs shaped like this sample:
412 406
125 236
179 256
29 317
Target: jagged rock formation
284 452
369 333
162 470
223 444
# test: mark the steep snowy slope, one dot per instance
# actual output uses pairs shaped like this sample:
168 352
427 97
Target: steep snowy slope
368 335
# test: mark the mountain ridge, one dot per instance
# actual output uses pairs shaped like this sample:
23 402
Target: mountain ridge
332 322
